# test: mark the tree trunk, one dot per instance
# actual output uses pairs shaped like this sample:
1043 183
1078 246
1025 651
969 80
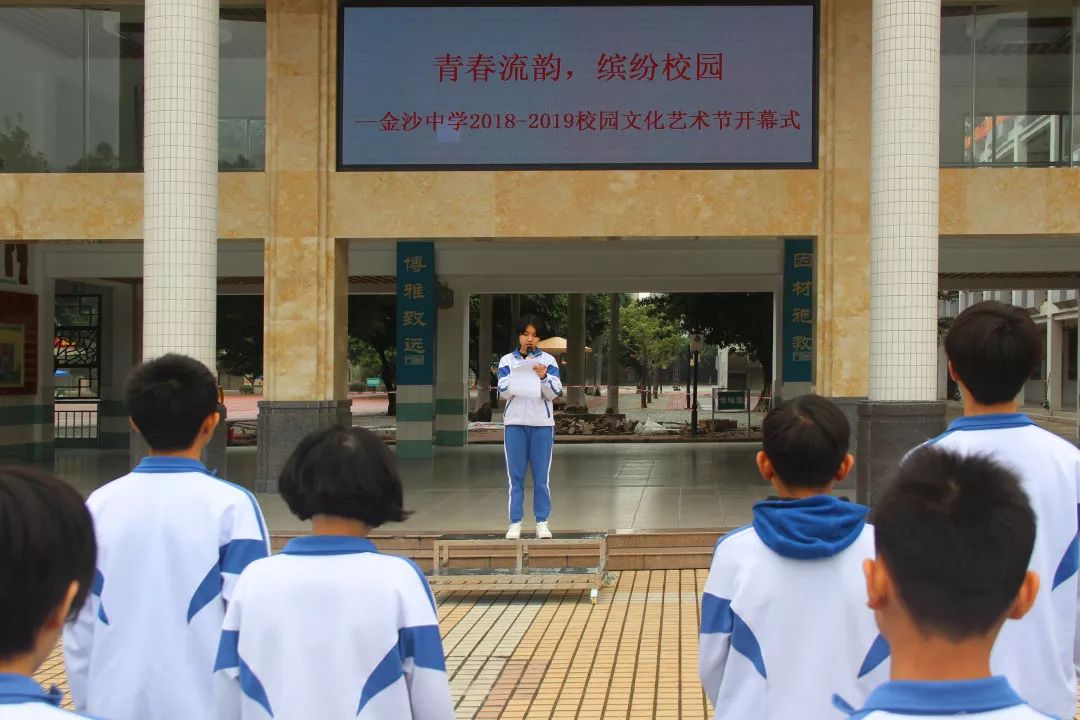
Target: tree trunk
614 368
388 380
764 403
656 383
644 387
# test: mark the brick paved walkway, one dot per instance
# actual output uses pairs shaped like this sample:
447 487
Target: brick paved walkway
556 656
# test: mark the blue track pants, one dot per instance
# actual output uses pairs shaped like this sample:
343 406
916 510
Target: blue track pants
525 446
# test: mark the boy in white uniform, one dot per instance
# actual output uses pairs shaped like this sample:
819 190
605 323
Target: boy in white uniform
993 349
784 622
954 536
46 569
330 628
172 539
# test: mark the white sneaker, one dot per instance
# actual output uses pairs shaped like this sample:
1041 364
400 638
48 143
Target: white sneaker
514 531
543 532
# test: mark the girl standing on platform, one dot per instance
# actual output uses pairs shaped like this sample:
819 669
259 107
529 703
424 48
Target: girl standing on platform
529 382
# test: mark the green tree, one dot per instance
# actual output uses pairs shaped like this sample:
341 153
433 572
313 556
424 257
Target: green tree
650 340
240 336
16 153
372 321
102 159
742 321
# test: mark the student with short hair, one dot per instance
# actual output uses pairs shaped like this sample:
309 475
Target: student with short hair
784 622
992 350
46 573
172 540
954 536
331 628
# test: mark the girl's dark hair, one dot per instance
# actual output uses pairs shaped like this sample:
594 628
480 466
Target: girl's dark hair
535 320
344 471
46 541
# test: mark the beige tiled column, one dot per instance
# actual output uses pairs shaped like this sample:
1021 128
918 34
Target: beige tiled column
903 409
306 271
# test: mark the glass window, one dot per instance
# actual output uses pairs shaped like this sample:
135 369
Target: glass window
242 107
114 132
73 89
957 83
42 76
1007 71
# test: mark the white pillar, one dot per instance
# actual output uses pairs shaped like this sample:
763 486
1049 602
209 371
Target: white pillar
452 373
180 179
483 359
575 350
904 188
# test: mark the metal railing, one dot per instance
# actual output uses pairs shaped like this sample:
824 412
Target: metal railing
76 422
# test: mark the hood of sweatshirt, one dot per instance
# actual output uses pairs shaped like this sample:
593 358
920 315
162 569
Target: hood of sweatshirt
810 528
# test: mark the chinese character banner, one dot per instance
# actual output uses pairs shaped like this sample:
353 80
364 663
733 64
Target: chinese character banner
571 85
798 327
416 313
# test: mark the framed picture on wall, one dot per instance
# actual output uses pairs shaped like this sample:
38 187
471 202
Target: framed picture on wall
18 343
12 356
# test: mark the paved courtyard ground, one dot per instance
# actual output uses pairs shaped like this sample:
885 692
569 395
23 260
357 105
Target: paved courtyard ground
555 656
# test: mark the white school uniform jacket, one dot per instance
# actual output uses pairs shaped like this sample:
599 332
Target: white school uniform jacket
784 622
23 699
986 699
536 412
330 629
1038 653
172 540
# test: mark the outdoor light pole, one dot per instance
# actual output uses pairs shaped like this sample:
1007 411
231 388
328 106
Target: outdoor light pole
694 407
697 344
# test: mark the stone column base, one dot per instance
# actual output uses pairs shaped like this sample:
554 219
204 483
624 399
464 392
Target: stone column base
850 406
283 424
887 432
213 454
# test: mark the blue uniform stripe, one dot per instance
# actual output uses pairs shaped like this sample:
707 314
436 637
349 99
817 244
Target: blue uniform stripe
1069 564
228 653
238 554
746 643
877 654
250 686
504 371
716 615
208 589
423 580
385 674
96 588
421 643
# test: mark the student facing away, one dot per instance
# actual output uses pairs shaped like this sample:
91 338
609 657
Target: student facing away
172 539
46 571
784 622
992 350
954 536
331 629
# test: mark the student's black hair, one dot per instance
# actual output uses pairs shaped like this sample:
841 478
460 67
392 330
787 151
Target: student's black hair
344 471
46 541
169 398
526 320
994 348
956 534
806 440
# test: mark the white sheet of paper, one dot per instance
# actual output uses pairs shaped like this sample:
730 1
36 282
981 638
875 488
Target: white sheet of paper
524 382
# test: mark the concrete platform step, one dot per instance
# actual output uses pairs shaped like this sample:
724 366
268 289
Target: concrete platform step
638 550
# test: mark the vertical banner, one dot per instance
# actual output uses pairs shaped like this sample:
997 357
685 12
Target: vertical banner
798 311
416 313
